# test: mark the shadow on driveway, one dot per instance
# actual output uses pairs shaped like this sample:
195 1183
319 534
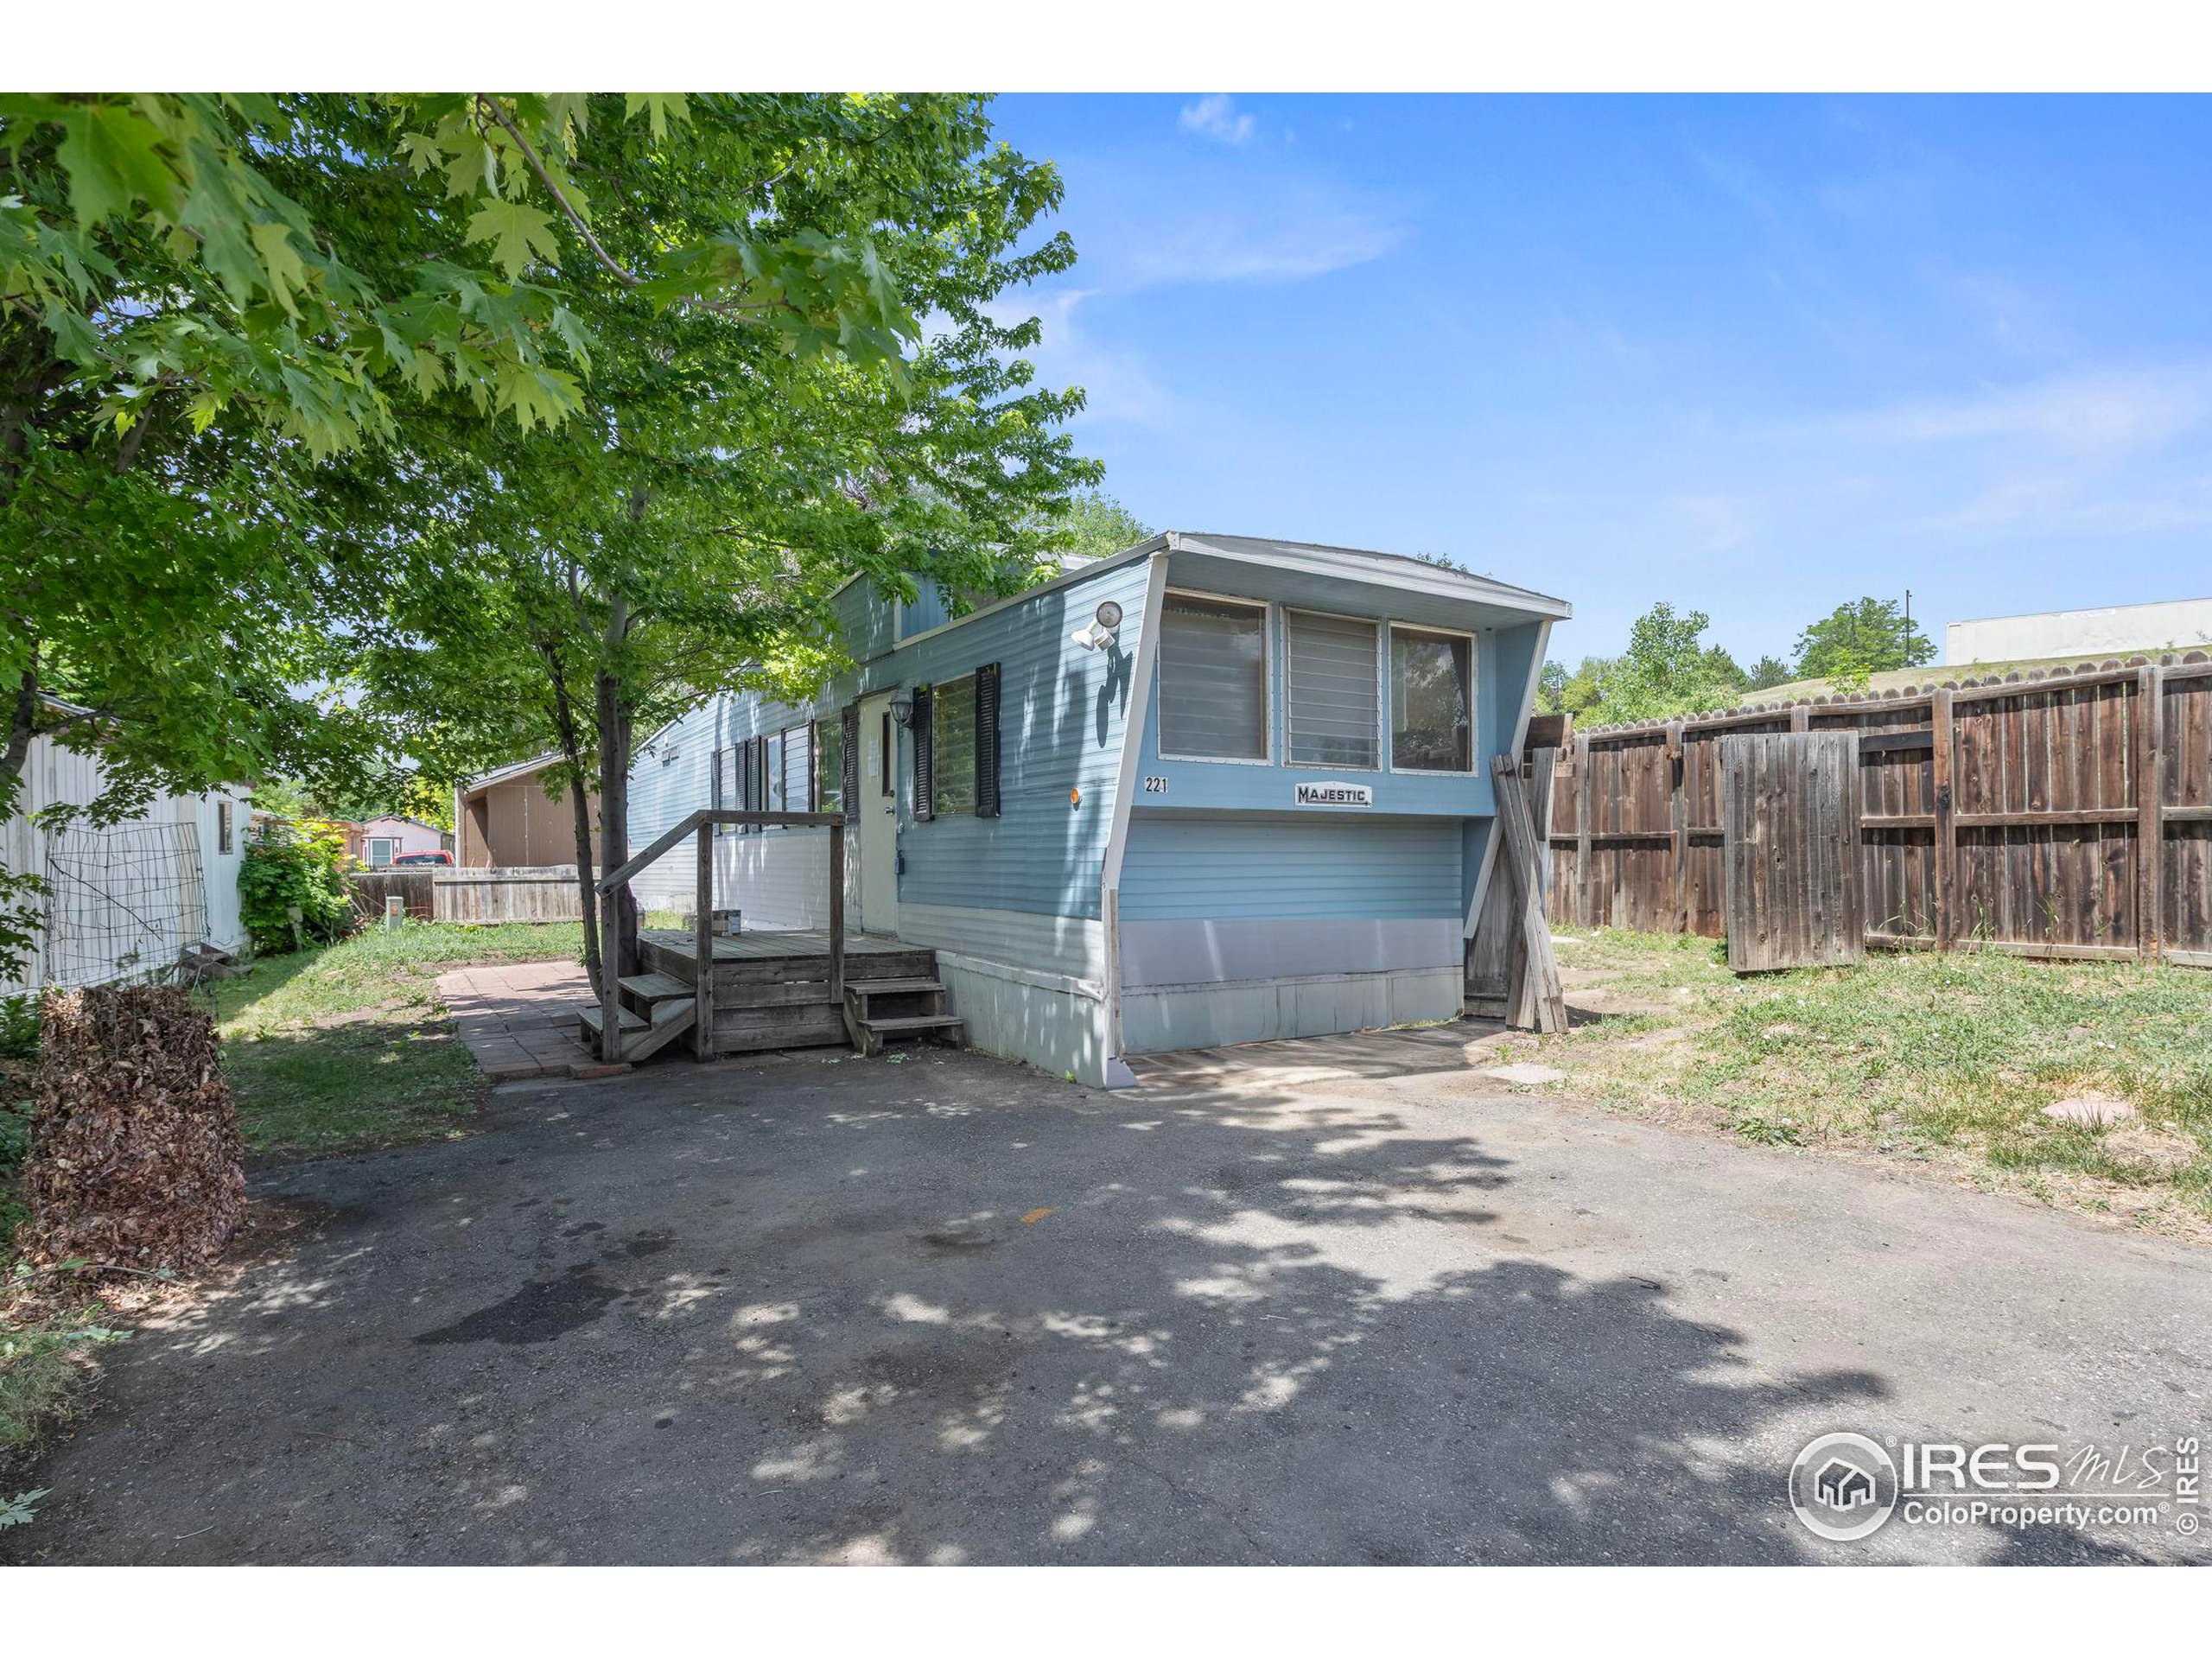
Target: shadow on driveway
947 1310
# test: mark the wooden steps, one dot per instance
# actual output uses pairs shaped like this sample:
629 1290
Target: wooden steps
773 991
904 1005
642 1035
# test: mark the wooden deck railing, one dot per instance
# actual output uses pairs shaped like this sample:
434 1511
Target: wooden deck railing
703 824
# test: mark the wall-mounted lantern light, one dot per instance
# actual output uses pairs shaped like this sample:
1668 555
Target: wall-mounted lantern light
902 709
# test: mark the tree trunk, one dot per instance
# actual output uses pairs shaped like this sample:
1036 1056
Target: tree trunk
618 917
564 727
586 881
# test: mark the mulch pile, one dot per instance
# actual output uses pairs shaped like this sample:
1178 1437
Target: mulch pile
134 1156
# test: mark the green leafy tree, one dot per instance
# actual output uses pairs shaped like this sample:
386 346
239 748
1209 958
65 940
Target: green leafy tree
1769 672
1096 524
563 589
1577 692
1856 641
1669 669
204 300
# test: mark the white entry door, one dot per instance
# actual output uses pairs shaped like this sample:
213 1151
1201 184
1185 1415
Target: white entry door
879 817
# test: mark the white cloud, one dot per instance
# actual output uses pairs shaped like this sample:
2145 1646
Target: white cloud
1286 240
2104 412
1216 117
1117 386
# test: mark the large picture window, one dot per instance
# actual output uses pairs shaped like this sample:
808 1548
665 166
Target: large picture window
952 747
1432 701
1332 712
1213 679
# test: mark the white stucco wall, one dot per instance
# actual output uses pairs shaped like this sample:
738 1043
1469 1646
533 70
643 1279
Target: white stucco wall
2172 625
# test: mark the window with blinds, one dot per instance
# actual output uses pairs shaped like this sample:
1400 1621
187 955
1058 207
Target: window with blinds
1432 701
952 747
829 772
1213 679
798 769
1332 705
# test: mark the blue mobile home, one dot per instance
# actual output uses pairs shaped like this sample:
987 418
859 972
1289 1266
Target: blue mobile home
1212 789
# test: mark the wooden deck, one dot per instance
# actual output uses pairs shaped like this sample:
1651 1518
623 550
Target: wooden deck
772 989
766 946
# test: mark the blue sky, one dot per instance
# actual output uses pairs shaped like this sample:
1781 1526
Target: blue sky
1756 356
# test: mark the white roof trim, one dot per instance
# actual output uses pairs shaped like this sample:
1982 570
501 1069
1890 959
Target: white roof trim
1397 570
504 775
1089 569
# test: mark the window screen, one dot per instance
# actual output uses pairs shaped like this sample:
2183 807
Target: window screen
952 744
798 769
771 767
1432 702
830 770
1213 679
1329 673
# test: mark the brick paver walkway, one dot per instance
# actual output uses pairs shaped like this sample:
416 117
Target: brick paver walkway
519 1020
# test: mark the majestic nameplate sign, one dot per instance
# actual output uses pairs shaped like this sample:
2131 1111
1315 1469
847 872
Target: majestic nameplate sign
1335 795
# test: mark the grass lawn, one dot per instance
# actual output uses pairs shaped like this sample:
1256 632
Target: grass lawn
347 1046
1944 1062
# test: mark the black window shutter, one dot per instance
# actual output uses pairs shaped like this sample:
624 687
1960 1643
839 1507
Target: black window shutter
756 761
849 785
987 741
925 757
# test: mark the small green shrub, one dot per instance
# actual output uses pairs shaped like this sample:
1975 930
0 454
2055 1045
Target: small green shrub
19 1027
292 890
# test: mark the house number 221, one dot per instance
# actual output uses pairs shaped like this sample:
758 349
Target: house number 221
1155 785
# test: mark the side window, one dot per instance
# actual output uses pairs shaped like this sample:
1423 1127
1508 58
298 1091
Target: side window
771 763
1432 701
952 747
1213 679
1332 712
887 761
223 831
830 765
798 768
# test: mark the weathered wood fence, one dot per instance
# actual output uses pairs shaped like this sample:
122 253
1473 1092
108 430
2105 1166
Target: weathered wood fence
373 887
2061 813
535 892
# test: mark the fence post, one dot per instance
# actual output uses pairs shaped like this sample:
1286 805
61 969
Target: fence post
1582 831
838 916
1946 854
1678 821
2149 808
703 943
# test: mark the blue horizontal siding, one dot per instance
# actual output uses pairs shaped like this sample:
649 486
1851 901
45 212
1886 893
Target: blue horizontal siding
1062 710
1193 868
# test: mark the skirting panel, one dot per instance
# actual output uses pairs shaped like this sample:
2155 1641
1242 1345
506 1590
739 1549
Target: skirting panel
1161 1017
1188 952
1055 1030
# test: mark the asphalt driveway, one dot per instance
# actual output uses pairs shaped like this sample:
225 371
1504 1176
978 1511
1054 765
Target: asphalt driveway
1331 1302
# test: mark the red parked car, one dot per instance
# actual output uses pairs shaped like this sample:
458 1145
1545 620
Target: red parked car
410 860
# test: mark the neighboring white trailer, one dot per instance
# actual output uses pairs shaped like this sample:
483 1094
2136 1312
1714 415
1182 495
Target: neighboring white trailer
122 902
